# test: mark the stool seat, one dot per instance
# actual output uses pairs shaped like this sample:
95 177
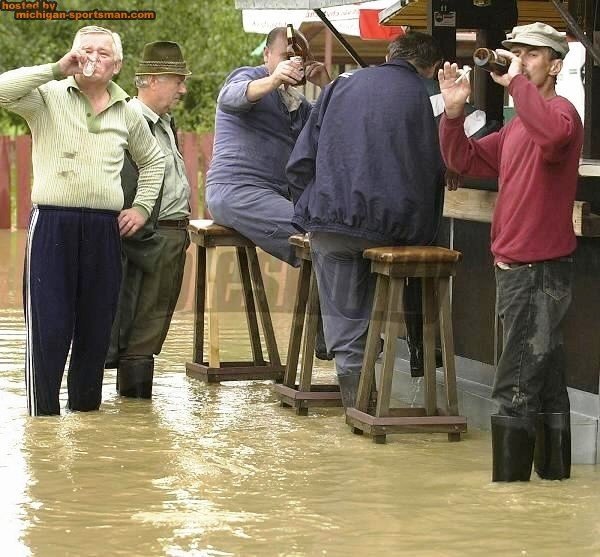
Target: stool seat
413 254
207 233
207 236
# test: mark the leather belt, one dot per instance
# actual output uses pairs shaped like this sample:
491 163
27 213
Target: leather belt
181 224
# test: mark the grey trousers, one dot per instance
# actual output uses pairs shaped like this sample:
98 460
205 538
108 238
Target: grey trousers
261 214
532 300
346 288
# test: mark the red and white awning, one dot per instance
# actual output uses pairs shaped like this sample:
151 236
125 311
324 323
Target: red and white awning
357 20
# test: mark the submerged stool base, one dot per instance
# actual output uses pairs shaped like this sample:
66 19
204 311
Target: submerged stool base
208 237
433 266
304 395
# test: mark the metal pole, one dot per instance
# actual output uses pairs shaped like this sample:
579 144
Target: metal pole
347 46
577 31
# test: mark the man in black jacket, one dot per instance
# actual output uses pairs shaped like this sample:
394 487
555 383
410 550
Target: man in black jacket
154 258
366 171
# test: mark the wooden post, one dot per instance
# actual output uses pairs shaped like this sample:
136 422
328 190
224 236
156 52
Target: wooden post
23 159
4 183
189 151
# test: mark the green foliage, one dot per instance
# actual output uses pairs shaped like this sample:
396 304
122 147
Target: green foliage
209 31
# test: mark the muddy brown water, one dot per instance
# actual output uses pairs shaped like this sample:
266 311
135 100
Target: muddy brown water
223 470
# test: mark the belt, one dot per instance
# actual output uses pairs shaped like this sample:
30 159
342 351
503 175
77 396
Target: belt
181 224
505 266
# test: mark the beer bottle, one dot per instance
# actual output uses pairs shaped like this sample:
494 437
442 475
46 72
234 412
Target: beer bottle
295 52
490 61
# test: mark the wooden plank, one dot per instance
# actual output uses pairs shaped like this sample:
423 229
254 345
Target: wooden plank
384 425
394 319
4 182
291 366
414 13
447 340
199 305
251 319
263 306
310 334
430 323
23 158
212 296
234 371
478 206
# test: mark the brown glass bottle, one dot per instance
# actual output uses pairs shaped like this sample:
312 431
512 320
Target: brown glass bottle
295 51
490 61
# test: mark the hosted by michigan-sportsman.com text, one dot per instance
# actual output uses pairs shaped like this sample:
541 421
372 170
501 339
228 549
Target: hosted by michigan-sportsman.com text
48 10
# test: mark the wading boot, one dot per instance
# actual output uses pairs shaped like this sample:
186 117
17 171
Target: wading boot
513 440
135 377
348 389
553 446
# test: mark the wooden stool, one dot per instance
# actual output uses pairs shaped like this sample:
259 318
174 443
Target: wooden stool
435 266
306 309
208 237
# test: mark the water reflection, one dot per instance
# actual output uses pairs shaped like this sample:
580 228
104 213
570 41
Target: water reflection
224 470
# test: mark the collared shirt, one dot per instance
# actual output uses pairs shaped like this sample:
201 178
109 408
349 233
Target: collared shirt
253 141
78 155
176 191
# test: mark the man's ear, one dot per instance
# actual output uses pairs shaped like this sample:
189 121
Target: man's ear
556 66
117 67
265 52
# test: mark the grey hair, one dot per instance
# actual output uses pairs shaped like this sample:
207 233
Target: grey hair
90 29
141 81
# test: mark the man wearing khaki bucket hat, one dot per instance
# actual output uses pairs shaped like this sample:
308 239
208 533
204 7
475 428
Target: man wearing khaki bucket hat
535 158
154 258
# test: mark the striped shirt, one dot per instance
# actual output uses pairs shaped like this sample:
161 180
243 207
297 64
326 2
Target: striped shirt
176 190
78 155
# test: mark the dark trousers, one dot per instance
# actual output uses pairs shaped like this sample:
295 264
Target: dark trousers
531 301
147 300
70 289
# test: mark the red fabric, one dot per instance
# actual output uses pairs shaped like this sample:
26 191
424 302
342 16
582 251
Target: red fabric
536 158
368 21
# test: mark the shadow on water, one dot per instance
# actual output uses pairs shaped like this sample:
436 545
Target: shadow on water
224 470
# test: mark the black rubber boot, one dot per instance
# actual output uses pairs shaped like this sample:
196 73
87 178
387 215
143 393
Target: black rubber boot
320 347
513 440
135 377
348 389
553 446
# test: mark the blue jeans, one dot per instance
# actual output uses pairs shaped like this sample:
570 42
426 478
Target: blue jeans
531 301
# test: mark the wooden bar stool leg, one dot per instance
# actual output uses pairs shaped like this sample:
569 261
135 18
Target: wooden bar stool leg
447 339
367 374
308 350
291 366
392 328
257 353
198 356
429 323
263 307
212 294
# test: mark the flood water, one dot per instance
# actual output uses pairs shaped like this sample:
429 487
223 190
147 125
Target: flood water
220 470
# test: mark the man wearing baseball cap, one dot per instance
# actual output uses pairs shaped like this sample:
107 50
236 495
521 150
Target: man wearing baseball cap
153 258
535 159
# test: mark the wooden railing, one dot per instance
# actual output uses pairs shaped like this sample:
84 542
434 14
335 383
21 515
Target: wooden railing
16 175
